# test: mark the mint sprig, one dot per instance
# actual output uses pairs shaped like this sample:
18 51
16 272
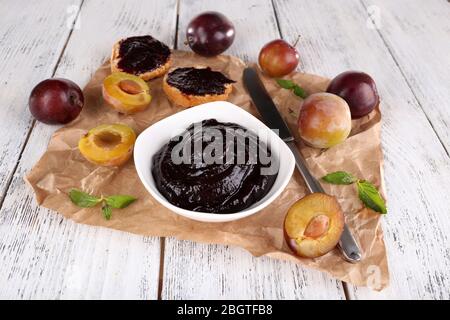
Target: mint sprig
119 201
367 192
300 92
291 85
107 211
286 84
339 177
82 199
85 200
370 196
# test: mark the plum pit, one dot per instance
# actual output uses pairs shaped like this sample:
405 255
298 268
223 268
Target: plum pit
317 227
107 139
130 87
126 93
313 225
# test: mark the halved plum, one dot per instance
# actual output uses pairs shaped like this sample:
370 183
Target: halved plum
108 144
126 93
313 225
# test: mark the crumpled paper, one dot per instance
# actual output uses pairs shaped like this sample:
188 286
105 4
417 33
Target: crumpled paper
62 167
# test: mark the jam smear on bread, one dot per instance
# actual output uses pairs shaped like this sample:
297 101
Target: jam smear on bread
142 54
198 81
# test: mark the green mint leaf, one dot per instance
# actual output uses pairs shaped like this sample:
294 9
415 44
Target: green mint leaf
82 199
339 177
107 211
119 201
300 92
286 84
370 196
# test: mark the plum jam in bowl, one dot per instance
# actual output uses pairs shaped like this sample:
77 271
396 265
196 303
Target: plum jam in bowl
213 163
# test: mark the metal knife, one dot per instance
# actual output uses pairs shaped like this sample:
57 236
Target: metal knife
273 120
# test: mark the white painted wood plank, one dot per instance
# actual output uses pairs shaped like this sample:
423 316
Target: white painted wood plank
199 271
28 52
335 37
43 255
418 35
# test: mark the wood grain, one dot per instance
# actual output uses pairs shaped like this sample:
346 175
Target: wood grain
28 52
418 37
199 271
335 38
43 255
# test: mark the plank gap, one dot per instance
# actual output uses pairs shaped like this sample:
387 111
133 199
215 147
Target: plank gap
408 83
13 172
117 265
161 266
177 20
275 13
33 122
68 38
274 7
162 240
346 292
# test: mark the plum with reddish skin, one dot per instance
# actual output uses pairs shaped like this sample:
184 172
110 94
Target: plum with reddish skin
56 101
358 89
324 120
278 58
313 225
210 33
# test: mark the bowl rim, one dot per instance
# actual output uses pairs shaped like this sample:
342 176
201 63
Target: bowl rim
206 216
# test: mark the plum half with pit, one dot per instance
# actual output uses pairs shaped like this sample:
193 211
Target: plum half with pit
126 93
313 225
358 89
56 101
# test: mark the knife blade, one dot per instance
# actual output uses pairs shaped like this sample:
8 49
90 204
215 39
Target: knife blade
273 119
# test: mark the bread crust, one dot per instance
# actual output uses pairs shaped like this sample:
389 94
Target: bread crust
155 73
190 100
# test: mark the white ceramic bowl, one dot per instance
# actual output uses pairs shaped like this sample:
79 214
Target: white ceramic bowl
154 137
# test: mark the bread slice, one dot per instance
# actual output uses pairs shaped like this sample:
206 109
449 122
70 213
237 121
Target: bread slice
189 99
143 74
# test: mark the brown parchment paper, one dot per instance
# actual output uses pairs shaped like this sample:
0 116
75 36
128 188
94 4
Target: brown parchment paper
62 167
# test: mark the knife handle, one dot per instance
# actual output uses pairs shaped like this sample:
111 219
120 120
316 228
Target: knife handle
349 248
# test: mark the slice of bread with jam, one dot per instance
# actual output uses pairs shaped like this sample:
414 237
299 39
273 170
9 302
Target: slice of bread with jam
191 86
143 56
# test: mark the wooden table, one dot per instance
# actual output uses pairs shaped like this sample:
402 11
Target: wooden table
403 44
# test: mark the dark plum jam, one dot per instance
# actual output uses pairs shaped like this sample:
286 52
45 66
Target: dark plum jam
198 81
142 54
233 182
